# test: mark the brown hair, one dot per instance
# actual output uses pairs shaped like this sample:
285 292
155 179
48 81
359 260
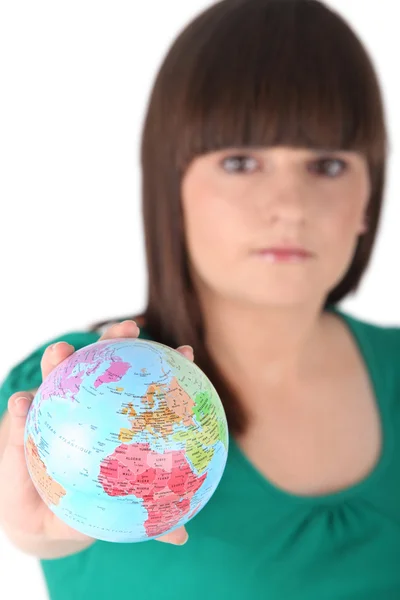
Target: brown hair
249 73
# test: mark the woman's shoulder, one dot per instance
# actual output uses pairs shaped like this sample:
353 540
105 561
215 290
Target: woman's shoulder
385 332
379 342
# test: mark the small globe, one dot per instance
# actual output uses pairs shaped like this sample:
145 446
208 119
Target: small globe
126 440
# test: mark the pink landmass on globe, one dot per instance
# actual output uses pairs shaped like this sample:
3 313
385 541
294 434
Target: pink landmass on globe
165 483
113 373
67 378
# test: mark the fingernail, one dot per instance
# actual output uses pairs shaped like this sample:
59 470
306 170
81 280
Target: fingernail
20 400
58 344
131 321
187 347
22 403
183 541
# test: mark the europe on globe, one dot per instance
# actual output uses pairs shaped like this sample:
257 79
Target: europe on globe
126 440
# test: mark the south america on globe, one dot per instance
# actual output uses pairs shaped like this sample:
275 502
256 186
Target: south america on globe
126 440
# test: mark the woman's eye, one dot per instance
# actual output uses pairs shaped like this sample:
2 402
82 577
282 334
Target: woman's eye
332 167
239 164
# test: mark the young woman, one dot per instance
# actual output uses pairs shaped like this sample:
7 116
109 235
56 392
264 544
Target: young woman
264 152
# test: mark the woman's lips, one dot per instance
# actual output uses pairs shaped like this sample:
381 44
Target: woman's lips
284 254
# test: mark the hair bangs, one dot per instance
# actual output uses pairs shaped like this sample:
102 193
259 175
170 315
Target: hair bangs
278 77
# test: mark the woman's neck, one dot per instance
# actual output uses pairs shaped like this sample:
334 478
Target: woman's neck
271 345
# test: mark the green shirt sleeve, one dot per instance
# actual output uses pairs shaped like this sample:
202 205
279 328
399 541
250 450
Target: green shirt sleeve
26 375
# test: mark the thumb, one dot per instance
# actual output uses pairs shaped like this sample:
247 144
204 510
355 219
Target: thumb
18 407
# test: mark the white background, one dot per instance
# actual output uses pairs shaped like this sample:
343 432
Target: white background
75 78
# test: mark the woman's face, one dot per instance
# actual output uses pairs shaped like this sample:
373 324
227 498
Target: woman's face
238 203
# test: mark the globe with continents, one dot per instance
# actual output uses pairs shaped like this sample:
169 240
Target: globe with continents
126 440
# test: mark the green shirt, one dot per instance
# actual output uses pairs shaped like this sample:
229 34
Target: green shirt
253 540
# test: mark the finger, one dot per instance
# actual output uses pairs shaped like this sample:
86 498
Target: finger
186 351
127 328
54 355
18 407
178 537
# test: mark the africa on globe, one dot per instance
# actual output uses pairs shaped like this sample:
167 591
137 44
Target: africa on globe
126 440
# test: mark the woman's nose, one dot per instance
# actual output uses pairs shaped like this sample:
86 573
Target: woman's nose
285 200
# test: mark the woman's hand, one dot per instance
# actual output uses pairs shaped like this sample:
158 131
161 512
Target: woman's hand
23 514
